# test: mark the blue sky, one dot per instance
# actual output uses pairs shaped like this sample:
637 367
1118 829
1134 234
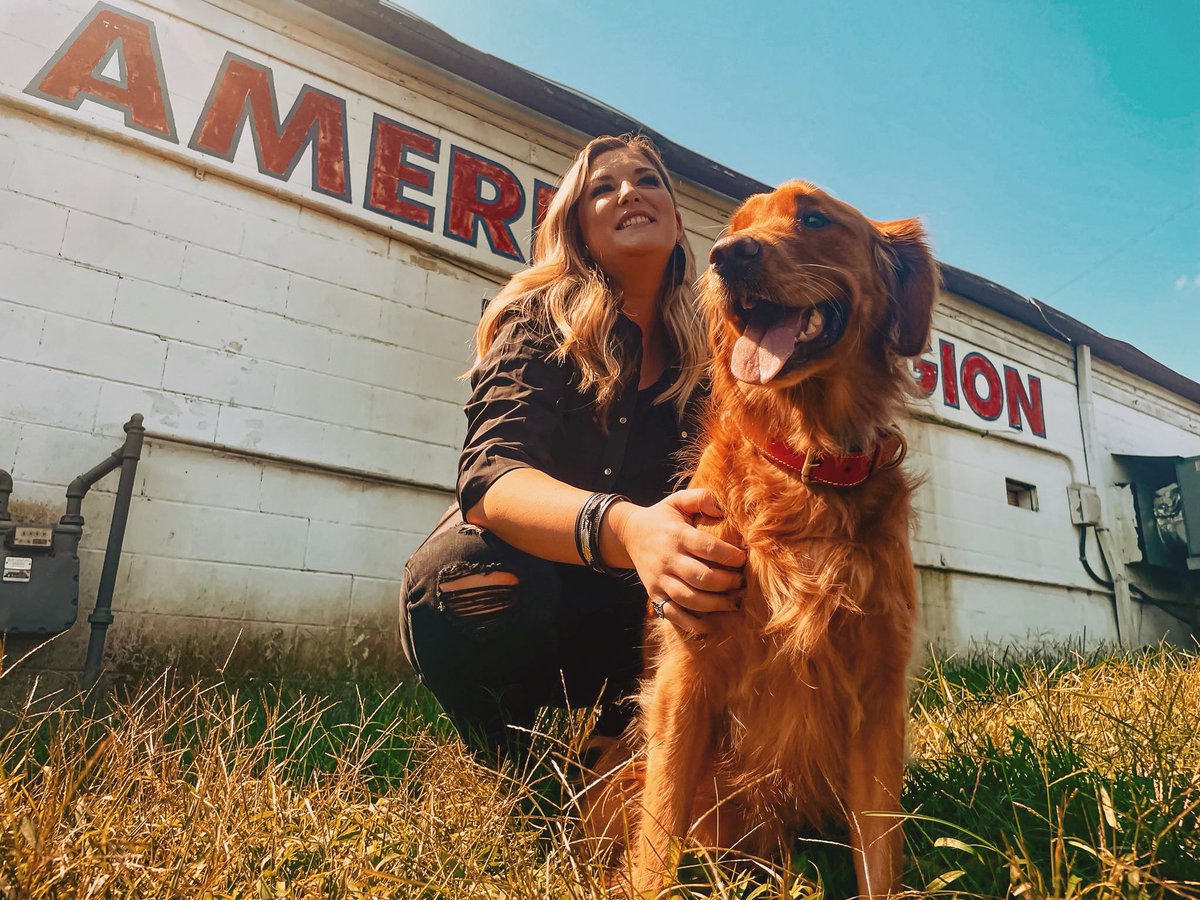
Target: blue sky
1051 147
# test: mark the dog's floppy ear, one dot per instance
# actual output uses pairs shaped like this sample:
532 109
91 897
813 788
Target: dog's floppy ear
912 277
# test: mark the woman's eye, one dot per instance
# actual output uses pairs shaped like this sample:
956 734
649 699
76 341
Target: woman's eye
652 180
599 189
813 220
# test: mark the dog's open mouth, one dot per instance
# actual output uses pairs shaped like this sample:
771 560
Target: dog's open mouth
775 338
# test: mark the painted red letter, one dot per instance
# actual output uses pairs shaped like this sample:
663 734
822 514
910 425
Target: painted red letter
949 374
391 172
926 372
989 407
466 207
75 72
1021 402
245 90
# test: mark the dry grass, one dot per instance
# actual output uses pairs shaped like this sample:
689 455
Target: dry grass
1037 780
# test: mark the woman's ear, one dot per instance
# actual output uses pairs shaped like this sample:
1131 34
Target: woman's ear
912 276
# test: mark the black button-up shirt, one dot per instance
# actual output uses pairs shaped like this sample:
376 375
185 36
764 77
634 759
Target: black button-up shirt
526 410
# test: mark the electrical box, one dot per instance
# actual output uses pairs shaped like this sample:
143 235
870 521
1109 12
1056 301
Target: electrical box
1084 502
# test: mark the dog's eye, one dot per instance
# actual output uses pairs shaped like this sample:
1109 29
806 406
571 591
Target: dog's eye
813 220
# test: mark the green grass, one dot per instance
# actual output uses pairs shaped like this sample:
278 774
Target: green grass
1034 778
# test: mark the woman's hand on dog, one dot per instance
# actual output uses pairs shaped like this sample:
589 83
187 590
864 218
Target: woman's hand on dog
675 560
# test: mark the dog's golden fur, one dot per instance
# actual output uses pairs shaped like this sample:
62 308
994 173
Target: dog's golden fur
792 712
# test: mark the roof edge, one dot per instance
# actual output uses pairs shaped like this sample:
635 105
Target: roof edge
411 34
1057 324
415 36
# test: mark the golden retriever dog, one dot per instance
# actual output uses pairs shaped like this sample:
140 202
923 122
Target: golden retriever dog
792 711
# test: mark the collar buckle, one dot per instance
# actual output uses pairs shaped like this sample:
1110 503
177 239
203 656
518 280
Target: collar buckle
812 460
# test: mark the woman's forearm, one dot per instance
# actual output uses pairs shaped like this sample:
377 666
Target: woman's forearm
536 513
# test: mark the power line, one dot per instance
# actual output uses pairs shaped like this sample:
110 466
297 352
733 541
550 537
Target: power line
1145 234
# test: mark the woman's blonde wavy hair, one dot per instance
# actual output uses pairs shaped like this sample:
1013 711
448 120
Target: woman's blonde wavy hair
567 295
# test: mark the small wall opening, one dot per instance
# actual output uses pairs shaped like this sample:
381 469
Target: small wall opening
1021 495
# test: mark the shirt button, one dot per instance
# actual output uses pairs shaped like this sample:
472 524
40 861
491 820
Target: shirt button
623 420
683 434
608 471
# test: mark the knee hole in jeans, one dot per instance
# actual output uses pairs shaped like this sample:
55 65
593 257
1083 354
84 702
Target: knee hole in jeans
484 600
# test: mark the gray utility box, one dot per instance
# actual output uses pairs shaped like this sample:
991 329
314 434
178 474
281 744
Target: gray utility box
1166 492
1187 476
39 588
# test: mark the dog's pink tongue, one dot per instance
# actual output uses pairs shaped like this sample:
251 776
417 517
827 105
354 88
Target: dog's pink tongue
766 344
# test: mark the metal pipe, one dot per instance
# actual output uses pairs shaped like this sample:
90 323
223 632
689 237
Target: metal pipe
79 488
1097 471
127 458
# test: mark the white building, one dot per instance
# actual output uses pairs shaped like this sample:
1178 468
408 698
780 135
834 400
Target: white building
269 226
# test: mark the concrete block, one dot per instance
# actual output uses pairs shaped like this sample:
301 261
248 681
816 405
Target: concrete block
10 439
188 531
439 378
216 375
318 222
458 296
375 604
422 330
333 306
93 348
190 475
233 279
314 395
338 262
372 362
56 455
159 640
56 285
42 25
271 432
185 587
357 550
189 216
422 418
253 204
30 223
194 319
172 313
350 501
428 464
8 157
431 464
166 413
412 271
123 248
48 397
308 598
22 328
75 184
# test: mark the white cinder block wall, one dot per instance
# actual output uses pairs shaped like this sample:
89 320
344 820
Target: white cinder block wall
296 356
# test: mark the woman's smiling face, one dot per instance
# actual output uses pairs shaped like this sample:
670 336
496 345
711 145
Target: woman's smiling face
627 214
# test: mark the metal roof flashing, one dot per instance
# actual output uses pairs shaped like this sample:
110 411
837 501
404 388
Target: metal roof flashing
391 23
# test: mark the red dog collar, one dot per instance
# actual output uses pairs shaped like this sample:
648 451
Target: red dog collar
849 470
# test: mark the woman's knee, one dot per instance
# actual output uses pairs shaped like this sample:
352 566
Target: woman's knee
470 600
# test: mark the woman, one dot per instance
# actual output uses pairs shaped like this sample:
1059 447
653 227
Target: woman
587 378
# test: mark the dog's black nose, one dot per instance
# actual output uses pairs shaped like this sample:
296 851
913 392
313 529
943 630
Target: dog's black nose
734 254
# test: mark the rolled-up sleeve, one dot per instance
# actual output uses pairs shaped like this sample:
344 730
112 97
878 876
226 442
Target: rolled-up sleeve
513 413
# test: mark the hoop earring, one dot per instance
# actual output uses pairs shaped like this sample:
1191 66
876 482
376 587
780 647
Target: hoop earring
678 265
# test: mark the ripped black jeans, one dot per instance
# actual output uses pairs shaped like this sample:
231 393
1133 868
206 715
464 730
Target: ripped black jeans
534 633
